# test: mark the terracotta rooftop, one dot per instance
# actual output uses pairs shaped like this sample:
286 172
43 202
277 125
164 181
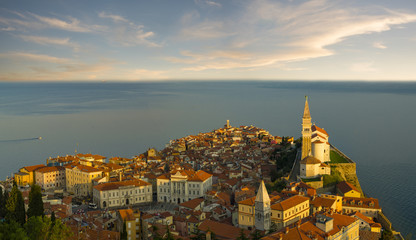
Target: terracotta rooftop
361 202
308 230
50 169
221 230
192 204
345 187
321 130
310 160
34 167
116 185
289 203
322 202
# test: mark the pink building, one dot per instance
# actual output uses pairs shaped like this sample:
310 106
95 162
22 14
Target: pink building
50 177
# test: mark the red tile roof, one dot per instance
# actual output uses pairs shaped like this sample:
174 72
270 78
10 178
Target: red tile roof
50 169
221 230
345 187
34 167
116 185
192 204
289 203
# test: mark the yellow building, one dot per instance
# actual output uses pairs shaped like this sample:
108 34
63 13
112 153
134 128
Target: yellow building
132 220
290 210
79 179
246 213
346 189
26 175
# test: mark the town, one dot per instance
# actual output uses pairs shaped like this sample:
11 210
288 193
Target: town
230 183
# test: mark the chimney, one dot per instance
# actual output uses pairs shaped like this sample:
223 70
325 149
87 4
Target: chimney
286 230
119 176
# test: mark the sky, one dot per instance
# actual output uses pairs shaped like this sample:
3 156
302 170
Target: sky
156 40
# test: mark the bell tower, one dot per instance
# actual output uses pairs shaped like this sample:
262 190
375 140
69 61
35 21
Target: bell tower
306 130
262 209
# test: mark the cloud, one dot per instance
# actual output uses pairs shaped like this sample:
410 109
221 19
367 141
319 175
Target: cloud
115 18
128 33
208 3
379 45
31 21
73 25
50 41
195 28
270 33
34 57
363 67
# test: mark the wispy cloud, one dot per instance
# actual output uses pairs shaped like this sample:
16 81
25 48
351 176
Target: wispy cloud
30 21
209 3
282 32
35 57
129 33
379 45
50 41
115 18
73 24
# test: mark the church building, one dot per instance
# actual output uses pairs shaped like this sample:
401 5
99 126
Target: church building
315 147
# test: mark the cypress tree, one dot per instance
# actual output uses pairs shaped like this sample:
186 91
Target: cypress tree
35 202
15 206
2 204
53 218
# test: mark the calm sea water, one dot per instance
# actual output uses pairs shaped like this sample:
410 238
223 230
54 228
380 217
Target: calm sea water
373 123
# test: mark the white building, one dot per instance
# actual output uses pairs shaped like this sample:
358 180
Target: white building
313 167
320 144
182 185
125 193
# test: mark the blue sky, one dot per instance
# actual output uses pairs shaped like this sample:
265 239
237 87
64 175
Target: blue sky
208 40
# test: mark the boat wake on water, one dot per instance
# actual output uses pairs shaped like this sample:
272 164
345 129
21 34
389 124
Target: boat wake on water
22 139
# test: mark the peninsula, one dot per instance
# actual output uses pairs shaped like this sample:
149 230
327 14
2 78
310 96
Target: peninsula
230 183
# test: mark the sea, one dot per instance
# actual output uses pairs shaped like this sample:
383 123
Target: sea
374 123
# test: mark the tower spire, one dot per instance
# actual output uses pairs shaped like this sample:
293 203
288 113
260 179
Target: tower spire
306 113
306 130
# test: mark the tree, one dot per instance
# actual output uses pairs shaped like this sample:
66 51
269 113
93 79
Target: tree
256 235
12 231
35 202
39 228
53 218
242 235
15 206
3 198
123 234
59 231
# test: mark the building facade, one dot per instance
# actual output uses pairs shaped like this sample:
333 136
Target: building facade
132 220
51 177
79 179
290 210
26 175
125 193
182 185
